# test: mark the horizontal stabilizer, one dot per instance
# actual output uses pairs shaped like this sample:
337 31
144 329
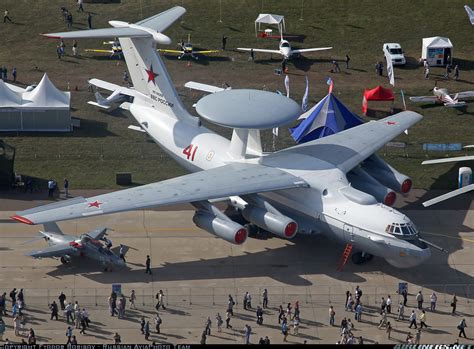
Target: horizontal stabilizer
203 87
449 195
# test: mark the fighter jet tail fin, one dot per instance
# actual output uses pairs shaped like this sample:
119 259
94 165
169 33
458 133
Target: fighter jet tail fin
52 227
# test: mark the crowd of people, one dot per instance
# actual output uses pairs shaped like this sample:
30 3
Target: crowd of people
288 318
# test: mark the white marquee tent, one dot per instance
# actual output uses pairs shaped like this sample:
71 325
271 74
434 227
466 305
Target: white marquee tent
267 18
437 50
45 108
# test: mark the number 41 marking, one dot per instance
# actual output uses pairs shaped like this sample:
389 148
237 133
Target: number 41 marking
190 151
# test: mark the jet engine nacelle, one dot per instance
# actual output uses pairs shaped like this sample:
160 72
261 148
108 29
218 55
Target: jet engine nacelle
280 225
225 229
387 175
362 181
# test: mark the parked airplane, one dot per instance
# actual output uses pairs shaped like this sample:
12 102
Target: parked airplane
115 49
441 95
119 94
70 248
301 189
453 193
187 49
284 49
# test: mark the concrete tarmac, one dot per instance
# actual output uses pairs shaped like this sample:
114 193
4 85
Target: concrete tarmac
197 271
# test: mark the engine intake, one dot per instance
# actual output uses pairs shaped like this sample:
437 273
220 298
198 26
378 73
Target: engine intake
225 229
277 224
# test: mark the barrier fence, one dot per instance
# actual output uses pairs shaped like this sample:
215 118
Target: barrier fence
218 296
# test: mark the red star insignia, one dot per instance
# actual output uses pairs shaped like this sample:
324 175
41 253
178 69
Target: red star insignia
96 203
151 74
391 123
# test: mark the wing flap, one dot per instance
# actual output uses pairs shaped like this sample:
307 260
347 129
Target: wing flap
205 185
257 50
303 50
51 251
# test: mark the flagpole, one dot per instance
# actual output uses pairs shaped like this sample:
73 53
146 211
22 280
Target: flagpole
302 6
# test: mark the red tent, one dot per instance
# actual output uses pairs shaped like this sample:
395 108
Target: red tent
377 94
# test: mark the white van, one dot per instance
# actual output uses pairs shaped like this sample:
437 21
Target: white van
395 52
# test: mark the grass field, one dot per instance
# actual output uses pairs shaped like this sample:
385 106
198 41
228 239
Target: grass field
91 155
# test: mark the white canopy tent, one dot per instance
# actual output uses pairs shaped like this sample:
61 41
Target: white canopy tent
437 50
45 108
267 18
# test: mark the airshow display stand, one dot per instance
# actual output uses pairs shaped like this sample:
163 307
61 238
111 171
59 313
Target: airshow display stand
267 18
44 108
437 50
377 94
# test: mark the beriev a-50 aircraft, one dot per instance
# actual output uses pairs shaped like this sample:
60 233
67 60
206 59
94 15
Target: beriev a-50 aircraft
70 248
302 189
284 49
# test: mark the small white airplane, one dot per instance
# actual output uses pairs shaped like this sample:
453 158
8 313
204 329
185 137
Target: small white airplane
453 193
470 13
284 49
199 86
302 189
441 95
119 94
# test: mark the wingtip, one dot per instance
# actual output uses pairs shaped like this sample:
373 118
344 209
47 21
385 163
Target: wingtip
22 219
50 36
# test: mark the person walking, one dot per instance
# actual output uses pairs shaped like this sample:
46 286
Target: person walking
336 66
54 310
244 300
83 324
14 72
142 325
433 300
6 17
389 305
219 322
405 296
207 326
247 332
224 42
16 324
122 253
74 48
69 309
158 322
461 327
401 310
454 301
132 298
148 265
383 320
62 299
66 186
284 330
265 299
412 319
347 65
69 334
296 325
388 329
203 338
456 72
89 20
422 319
161 300
117 338
2 328
281 314
427 72
227 319
419 299
147 330
358 312
332 316
230 305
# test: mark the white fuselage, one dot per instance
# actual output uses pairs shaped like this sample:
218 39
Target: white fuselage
285 49
326 207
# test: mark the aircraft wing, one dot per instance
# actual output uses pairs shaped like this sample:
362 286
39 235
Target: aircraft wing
51 251
303 50
258 50
455 159
418 99
205 52
98 50
449 195
463 95
169 51
350 147
228 180
470 13
112 87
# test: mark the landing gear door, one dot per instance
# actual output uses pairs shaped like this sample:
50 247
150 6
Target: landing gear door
348 233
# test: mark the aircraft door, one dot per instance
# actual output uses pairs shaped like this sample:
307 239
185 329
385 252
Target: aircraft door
348 233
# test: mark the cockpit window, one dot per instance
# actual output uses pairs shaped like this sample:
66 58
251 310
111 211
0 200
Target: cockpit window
402 229
285 44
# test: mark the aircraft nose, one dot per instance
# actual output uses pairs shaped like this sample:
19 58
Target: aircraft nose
411 258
